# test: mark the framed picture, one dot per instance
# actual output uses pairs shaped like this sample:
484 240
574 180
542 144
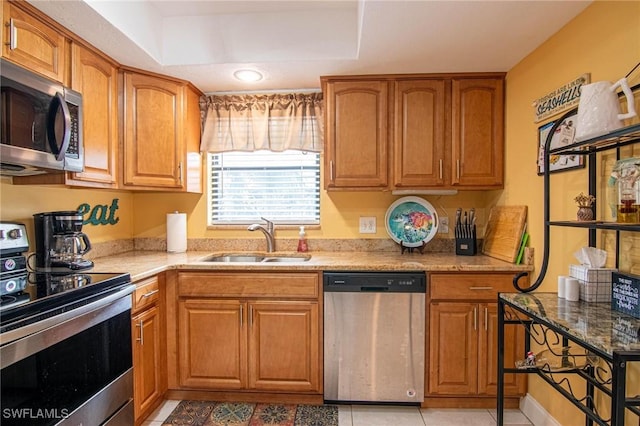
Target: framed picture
563 136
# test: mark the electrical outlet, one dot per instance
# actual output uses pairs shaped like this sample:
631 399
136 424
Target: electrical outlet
367 225
443 227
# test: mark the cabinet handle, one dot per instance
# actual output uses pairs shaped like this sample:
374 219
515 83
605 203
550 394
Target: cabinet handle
458 169
480 288
241 315
180 172
475 318
151 293
331 171
13 35
486 319
141 338
440 161
251 316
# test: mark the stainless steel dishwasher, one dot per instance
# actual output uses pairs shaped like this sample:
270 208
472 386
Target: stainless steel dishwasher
374 337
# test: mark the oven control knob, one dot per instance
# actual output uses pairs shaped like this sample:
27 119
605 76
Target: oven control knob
10 264
11 285
1 234
14 234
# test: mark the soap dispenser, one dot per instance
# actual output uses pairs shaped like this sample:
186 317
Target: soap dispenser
302 242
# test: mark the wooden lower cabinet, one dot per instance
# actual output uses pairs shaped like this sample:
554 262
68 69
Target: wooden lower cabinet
212 344
234 344
463 339
149 357
284 346
146 358
247 332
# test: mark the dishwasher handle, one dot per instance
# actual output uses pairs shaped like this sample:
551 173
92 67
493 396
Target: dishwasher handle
369 289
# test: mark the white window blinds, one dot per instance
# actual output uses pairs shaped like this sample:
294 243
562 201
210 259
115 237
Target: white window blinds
283 187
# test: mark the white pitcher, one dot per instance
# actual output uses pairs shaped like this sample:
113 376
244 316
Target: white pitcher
599 109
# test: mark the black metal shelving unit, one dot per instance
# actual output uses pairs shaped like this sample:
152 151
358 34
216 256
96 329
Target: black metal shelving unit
589 148
552 325
613 382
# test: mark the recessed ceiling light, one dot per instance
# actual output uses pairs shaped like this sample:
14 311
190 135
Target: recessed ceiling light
248 75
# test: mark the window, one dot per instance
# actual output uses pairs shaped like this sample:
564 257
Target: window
283 187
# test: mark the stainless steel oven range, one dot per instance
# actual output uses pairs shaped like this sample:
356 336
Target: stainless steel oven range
65 346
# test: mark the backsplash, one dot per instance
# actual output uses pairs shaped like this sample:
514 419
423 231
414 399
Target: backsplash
436 245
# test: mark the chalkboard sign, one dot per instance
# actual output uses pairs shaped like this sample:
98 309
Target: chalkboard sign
626 294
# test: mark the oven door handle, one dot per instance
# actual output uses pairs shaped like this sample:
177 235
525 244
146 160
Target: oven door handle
25 341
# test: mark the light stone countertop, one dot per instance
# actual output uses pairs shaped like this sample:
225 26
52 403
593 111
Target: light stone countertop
142 264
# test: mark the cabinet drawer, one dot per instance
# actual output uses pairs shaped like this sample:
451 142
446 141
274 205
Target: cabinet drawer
280 285
469 286
147 292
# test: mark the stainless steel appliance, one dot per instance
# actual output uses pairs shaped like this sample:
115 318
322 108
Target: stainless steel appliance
41 124
60 242
65 347
374 337
13 265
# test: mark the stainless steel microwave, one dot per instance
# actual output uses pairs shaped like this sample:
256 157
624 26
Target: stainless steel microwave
41 124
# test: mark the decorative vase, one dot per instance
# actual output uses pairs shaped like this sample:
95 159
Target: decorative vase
585 213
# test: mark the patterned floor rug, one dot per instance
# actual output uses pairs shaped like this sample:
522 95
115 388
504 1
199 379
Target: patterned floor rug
206 413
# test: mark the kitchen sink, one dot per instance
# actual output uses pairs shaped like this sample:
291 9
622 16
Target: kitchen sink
285 259
247 258
234 258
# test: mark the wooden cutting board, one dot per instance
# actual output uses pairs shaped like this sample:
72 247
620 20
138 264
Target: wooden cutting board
504 230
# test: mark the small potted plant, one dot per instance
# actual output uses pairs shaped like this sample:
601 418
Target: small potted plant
585 206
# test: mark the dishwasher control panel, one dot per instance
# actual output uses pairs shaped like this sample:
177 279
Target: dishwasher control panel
393 282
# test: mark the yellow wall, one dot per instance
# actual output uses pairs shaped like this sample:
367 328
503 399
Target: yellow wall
19 202
340 213
604 40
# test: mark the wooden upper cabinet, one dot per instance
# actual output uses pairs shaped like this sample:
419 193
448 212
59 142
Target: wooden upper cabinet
30 42
419 133
356 134
153 132
477 144
193 130
97 79
436 131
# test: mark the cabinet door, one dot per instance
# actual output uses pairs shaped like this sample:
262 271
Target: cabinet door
356 134
453 348
31 43
147 366
419 133
212 343
477 133
192 172
284 346
97 80
514 384
153 131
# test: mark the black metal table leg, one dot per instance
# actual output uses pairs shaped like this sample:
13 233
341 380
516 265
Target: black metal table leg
500 402
618 386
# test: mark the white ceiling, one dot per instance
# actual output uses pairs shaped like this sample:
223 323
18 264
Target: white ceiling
293 43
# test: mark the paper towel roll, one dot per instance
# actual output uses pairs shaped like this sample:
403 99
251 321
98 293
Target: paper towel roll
176 232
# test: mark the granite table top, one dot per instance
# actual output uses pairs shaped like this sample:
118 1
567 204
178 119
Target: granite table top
142 264
595 324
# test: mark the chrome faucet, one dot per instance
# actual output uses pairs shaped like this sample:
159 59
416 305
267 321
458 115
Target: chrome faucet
268 233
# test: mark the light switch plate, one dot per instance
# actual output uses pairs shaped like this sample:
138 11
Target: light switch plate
368 225
443 227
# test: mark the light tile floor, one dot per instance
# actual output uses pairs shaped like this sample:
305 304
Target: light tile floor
378 415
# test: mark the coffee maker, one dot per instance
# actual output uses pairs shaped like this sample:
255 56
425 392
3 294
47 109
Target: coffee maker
60 242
